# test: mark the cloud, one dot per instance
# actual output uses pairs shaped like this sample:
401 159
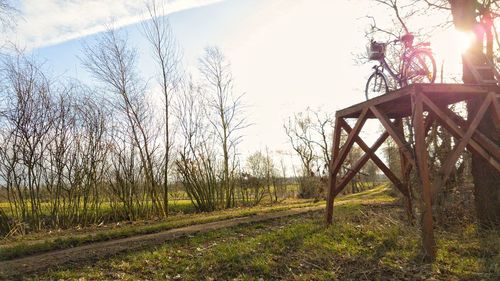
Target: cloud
49 22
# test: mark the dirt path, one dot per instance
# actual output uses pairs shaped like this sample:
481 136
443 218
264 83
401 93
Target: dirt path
18 267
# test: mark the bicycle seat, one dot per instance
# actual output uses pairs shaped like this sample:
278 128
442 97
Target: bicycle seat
407 39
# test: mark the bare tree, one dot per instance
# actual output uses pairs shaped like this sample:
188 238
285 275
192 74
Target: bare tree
299 133
257 177
226 113
323 126
167 56
197 162
112 62
29 119
89 155
310 135
263 172
52 157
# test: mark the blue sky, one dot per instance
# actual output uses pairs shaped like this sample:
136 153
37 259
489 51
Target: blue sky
194 29
286 55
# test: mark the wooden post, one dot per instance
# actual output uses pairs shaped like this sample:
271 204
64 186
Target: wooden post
429 244
405 172
333 176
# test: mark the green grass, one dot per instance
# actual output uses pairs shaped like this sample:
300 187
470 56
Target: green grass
43 242
369 240
175 206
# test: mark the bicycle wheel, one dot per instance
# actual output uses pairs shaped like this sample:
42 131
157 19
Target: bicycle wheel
376 85
420 68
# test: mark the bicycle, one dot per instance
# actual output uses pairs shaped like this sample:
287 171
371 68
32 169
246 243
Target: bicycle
417 66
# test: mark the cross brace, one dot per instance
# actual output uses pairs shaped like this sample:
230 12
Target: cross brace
465 132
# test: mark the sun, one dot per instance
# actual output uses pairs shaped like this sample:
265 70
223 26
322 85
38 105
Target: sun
463 40
448 47
451 42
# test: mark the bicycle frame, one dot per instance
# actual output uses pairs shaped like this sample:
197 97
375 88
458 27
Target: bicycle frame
384 65
406 54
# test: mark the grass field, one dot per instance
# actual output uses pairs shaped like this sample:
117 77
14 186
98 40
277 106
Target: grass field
370 240
175 206
45 241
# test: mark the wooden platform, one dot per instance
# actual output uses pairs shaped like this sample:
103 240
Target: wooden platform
397 104
425 104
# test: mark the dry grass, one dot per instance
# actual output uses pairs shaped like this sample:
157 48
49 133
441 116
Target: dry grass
370 240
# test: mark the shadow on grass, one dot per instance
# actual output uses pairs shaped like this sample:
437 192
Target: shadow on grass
365 243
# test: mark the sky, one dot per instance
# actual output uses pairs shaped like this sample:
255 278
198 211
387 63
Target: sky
286 55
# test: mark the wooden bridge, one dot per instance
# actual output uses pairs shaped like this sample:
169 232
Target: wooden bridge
424 104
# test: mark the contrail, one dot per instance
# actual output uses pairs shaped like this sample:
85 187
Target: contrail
38 30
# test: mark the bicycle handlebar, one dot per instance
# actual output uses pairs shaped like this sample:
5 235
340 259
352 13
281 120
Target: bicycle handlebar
421 44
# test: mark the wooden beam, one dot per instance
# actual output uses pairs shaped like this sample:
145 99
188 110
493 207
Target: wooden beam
496 108
449 163
332 179
393 132
349 142
389 97
458 133
360 163
398 123
452 158
406 168
423 170
376 160
454 93
479 137
405 163
453 88
336 138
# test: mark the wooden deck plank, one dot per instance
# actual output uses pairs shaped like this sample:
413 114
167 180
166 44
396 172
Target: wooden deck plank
396 104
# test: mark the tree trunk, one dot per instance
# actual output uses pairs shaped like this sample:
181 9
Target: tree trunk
486 179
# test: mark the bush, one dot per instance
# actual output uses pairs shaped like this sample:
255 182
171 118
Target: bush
311 187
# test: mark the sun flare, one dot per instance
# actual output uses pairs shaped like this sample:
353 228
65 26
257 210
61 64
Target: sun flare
463 40
452 43
448 47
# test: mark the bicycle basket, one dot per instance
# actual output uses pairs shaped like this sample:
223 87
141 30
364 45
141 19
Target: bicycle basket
376 51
